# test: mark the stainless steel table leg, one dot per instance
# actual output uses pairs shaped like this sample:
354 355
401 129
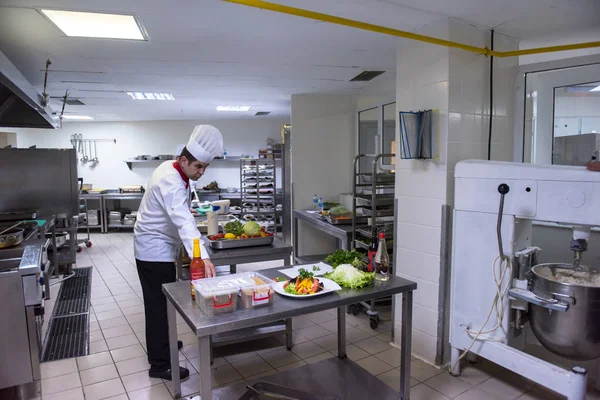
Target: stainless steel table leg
341 321
287 260
288 334
171 317
179 264
405 345
205 370
295 249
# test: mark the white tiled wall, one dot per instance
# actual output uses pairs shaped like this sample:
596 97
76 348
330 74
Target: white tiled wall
422 83
456 83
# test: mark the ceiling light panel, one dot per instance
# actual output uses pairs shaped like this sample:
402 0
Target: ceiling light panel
96 25
150 96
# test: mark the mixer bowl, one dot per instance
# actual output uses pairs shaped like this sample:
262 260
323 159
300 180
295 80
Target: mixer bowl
575 333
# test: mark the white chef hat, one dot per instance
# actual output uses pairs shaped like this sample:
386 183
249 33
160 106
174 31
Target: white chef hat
206 143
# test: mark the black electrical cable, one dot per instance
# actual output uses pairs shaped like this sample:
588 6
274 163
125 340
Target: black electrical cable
491 96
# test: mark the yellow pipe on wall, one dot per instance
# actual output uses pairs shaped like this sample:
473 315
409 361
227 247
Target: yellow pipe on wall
299 12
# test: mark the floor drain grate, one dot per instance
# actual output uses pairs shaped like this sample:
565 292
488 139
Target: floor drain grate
68 328
74 295
67 337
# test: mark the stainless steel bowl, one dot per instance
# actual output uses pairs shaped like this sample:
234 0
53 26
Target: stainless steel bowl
11 238
575 333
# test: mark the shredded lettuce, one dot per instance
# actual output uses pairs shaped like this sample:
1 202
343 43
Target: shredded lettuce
348 276
291 288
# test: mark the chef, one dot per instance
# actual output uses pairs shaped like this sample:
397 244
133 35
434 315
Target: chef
164 221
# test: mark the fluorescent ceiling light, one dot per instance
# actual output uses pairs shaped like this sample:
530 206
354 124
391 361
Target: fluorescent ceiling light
234 108
596 89
96 25
78 117
150 96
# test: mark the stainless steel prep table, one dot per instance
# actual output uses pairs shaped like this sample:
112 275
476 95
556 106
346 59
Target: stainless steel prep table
342 232
225 262
179 300
96 197
118 197
279 250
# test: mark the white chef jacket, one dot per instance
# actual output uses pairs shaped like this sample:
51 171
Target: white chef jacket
164 219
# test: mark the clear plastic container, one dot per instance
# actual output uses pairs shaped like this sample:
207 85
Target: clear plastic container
258 293
219 295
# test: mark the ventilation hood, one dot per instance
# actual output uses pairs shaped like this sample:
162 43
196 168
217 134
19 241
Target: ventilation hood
19 103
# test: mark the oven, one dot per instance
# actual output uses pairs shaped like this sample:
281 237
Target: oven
22 312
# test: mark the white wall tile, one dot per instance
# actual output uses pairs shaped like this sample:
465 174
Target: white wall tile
425 320
419 210
418 264
427 293
428 182
421 238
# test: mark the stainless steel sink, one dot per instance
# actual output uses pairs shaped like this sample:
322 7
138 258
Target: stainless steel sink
8 264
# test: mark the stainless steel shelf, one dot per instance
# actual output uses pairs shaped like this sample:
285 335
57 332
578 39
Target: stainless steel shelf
120 226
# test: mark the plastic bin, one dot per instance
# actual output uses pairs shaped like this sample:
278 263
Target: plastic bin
218 295
256 294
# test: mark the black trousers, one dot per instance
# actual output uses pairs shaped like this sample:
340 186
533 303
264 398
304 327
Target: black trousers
152 276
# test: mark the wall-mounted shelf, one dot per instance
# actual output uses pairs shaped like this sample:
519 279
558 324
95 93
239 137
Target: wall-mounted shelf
146 163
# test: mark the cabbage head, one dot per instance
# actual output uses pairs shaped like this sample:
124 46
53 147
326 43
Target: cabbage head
252 228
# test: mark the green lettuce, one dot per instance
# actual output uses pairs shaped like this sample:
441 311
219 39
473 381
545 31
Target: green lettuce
291 288
347 276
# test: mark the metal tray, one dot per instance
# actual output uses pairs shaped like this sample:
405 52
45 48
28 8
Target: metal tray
270 391
234 244
332 221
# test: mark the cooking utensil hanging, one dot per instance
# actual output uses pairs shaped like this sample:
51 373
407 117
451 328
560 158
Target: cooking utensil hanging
416 141
95 159
84 159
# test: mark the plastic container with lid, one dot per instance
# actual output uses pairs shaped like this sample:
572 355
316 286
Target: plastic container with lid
258 293
219 295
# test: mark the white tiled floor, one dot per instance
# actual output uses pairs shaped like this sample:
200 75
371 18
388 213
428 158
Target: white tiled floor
117 368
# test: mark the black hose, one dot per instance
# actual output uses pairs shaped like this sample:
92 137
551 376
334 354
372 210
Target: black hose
503 189
491 96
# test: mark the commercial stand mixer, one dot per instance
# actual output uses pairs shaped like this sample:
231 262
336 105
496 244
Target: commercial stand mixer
498 293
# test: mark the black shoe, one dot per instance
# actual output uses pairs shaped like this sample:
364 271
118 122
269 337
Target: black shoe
166 375
179 344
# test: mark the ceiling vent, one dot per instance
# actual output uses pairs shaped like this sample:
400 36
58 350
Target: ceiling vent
366 76
260 113
71 102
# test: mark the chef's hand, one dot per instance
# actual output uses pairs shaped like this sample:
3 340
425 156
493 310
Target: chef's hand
210 268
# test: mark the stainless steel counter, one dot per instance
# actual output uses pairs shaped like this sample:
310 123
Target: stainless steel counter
179 300
279 250
342 232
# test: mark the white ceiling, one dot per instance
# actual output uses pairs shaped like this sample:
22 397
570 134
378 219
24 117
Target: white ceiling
208 52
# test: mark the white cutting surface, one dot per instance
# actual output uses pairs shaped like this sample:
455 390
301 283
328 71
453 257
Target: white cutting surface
293 272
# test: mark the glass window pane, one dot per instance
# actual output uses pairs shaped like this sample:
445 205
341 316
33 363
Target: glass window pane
367 135
389 131
576 124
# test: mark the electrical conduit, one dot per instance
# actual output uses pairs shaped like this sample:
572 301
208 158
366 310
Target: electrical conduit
299 12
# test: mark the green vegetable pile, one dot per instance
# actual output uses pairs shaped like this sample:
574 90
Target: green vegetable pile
348 276
235 227
252 228
345 257
291 289
338 210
